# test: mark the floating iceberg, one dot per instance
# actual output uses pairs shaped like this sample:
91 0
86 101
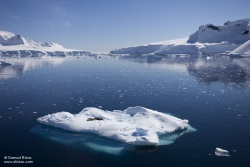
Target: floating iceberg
221 152
135 125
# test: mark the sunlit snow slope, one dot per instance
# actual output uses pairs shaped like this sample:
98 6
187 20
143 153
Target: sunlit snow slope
244 49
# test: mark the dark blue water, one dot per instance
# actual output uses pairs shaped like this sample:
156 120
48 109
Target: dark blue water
212 93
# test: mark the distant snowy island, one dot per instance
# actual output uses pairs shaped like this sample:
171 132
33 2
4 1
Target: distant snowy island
233 38
17 45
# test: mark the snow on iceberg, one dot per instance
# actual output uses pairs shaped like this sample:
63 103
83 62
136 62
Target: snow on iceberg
135 125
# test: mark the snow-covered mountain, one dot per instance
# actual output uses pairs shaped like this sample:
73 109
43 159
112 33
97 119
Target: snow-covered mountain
4 36
11 44
236 32
208 39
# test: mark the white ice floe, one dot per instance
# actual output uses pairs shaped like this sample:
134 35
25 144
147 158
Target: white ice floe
221 152
6 63
135 125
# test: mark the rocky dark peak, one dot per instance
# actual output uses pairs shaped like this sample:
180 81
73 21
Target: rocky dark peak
18 37
15 38
93 119
46 44
213 27
245 32
226 23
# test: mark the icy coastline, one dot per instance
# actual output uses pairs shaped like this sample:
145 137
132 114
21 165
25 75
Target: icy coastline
208 39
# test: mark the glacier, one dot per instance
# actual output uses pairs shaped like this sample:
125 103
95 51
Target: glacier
207 40
17 45
134 126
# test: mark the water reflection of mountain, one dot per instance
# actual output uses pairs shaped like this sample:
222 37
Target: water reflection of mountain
10 71
23 64
205 69
223 69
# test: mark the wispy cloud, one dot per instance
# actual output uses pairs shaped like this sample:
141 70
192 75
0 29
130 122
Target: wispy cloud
58 9
58 14
4 12
13 17
46 13
66 24
52 13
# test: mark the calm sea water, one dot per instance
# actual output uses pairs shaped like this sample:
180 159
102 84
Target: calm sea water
212 93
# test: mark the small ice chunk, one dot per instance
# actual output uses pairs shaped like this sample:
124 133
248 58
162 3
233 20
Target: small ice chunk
221 152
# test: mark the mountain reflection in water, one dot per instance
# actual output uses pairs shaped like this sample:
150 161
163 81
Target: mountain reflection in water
220 68
204 69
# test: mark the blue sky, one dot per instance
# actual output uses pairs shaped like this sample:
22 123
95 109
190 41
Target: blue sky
103 25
